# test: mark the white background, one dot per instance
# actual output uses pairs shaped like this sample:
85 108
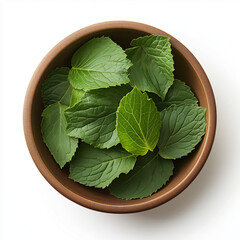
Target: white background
31 209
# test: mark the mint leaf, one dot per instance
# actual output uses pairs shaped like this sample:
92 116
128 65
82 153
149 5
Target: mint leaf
152 68
138 123
56 87
53 128
99 63
56 94
181 130
94 118
76 96
178 93
150 173
98 167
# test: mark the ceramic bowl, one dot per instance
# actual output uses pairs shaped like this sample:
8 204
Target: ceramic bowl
187 68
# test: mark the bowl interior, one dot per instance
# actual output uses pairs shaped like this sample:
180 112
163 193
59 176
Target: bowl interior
183 71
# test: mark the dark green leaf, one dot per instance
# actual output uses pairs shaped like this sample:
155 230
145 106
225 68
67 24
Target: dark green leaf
94 118
56 87
178 93
152 68
99 63
53 128
98 167
182 128
150 173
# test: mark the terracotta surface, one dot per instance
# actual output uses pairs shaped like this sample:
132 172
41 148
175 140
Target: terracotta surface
187 68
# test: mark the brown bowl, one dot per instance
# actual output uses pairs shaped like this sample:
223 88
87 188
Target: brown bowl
187 68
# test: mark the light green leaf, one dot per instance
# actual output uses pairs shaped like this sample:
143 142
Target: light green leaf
150 173
138 123
152 60
178 93
99 63
98 167
56 87
182 129
53 128
76 96
94 118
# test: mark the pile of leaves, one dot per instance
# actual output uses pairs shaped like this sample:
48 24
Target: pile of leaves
119 117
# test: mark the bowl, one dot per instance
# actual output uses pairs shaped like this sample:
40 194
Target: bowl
187 68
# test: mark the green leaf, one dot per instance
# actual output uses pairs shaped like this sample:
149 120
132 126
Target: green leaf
178 93
56 87
181 130
152 60
53 128
138 123
99 63
150 173
94 118
98 167
76 96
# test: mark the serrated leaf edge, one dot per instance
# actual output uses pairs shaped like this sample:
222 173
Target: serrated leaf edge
44 82
148 99
200 139
168 39
126 72
88 185
188 87
92 143
61 166
171 174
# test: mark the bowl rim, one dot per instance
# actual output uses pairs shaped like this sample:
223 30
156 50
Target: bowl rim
136 207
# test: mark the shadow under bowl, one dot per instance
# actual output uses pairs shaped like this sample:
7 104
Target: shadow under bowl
187 69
